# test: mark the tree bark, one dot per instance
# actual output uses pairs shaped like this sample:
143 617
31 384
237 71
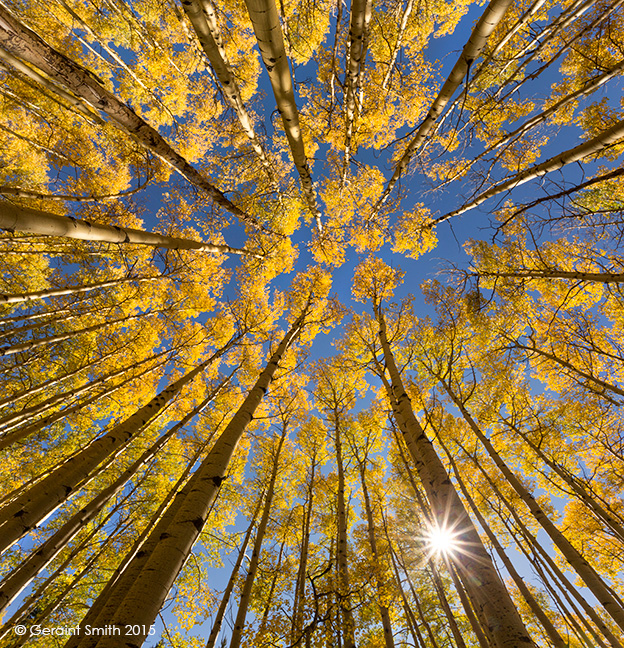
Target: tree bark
486 589
252 570
265 21
17 298
23 219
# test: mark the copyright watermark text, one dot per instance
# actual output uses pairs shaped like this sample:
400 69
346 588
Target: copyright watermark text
85 631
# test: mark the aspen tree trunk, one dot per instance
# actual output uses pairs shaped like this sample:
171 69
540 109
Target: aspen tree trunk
550 578
299 595
267 607
40 81
597 277
585 90
591 578
225 598
361 11
203 17
26 511
603 177
486 589
475 623
21 42
593 146
536 545
24 431
23 192
421 615
23 219
39 323
344 594
24 614
266 25
17 298
122 578
407 11
21 576
157 569
372 539
604 515
551 631
245 597
410 617
439 588
492 15
27 413
59 337
568 365
75 581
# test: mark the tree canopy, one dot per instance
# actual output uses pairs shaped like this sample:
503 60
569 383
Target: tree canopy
311 324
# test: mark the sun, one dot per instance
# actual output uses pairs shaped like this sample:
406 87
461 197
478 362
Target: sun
441 541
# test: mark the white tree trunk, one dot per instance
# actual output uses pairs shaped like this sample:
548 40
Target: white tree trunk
486 25
15 218
266 25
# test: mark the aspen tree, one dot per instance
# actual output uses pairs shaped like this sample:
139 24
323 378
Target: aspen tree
21 515
154 571
376 281
24 219
243 605
266 25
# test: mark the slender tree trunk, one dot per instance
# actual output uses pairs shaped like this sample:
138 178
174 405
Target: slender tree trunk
589 610
407 12
344 593
21 515
439 588
9 421
568 365
59 337
114 590
23 219
384 612
225 598
486 589
19 433
203 17
593 146
299 594
267 608
252 570
361 11
265 21
582 491
17 298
